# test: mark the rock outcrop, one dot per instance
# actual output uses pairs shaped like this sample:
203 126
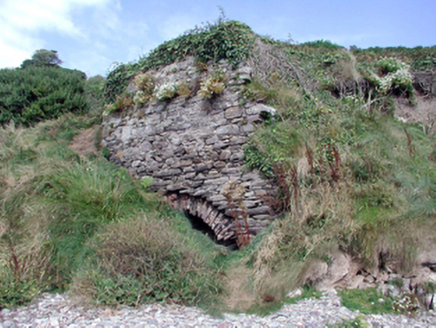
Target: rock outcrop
192 147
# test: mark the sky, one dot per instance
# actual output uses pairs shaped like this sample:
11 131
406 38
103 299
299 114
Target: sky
94 35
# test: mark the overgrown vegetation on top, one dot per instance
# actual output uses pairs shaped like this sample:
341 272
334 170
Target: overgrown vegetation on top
230 40
419 58
40 90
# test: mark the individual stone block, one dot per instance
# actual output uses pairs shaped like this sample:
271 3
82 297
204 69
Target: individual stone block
259 210
233 112
227 130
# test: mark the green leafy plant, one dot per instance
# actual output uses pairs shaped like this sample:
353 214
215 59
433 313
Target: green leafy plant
166 91
15 293
230 40
121 103
184 90
33 94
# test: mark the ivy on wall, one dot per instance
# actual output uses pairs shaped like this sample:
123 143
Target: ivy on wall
230 40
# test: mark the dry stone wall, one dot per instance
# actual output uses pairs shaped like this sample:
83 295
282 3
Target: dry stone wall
192 147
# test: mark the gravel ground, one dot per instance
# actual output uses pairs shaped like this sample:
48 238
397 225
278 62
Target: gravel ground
57 310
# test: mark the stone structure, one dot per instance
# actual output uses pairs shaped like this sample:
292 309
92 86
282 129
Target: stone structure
192 147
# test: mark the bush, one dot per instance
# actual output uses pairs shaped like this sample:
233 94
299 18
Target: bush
212 86
145 84
33 94
144 260
166 91
14 293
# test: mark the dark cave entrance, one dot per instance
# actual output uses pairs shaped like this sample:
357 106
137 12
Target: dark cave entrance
197 223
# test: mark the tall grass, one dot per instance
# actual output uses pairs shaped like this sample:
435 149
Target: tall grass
68 221
367 188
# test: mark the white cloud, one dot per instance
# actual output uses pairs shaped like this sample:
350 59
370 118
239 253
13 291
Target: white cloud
22 21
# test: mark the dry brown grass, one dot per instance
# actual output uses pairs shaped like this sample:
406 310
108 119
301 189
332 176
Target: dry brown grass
84 143
239 295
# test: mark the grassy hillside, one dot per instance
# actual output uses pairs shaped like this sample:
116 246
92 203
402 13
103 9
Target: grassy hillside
69 223
351 177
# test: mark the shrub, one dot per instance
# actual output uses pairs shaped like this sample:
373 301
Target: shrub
15 293
121 103
212 86
391 65
400 79
407 304
144 260
184 90
166 91
33 94
145 84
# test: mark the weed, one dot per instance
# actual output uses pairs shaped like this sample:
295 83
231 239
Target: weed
120 104
407 304
212 86
367 301
184 90
307 292
234 194
358 322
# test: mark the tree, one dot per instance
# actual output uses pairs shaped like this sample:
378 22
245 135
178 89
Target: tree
47 57
43 57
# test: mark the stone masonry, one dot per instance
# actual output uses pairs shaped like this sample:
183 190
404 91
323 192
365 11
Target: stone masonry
192 147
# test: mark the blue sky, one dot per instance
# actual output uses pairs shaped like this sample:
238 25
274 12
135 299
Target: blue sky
91 35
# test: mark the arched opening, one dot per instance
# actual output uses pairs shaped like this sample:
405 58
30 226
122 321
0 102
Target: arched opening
198 224
205 218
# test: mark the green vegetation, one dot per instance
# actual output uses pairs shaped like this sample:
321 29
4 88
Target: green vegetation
40 90
351 177
43 58
84 225
419 58
368 301
229 40
358 322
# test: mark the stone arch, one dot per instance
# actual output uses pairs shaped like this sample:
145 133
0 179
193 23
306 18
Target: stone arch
219 223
